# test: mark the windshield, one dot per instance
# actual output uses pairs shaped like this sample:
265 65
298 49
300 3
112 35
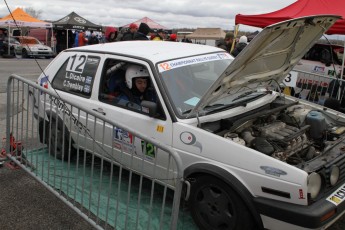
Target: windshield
187 80
29 41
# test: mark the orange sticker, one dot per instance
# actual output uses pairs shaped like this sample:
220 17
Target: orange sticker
160 128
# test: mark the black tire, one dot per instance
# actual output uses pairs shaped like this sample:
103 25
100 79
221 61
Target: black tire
24 53
58 141
215 205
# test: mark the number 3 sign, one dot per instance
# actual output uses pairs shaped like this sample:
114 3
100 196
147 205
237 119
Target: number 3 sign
291 79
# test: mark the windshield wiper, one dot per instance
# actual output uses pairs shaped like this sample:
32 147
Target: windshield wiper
220 107
243 95
238 103
206 107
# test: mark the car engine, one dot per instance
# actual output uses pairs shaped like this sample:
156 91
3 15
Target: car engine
293 133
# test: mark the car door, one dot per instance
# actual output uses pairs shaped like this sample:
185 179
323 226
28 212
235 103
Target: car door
106 104
73 78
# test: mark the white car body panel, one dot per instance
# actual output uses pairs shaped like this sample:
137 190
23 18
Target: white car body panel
269 57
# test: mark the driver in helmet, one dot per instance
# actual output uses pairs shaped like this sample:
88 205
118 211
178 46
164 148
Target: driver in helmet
137 86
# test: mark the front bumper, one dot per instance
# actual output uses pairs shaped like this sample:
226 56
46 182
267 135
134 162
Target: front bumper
315 216
40 54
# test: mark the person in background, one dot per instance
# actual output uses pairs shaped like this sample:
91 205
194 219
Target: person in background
159 36
173 38
129 35
101 37
93 39
61 41
187 40
82 40
112 37
153 34
142 32
2 39
242 42
76 37
121 32
226 42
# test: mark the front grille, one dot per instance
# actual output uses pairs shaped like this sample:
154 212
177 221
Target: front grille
326 172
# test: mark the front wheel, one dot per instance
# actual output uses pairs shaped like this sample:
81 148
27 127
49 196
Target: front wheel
215 205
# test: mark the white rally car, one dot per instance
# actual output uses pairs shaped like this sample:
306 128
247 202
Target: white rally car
255 158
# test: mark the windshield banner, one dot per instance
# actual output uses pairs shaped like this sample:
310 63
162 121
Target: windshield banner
165 66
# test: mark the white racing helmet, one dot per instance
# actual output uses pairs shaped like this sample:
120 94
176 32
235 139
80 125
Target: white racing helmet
134 71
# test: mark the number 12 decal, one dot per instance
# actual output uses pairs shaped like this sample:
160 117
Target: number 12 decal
148 149
76 63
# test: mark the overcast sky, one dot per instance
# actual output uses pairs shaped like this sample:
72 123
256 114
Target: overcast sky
169 13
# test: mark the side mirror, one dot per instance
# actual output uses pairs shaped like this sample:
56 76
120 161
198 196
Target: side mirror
149 108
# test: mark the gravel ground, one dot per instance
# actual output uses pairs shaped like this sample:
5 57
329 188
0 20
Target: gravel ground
26 204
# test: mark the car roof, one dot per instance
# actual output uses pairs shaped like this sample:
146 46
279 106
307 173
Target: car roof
154 51
326 44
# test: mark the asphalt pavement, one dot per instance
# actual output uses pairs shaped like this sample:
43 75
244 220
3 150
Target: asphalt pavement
24 202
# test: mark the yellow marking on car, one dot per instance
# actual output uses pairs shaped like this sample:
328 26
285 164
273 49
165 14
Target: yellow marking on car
160 128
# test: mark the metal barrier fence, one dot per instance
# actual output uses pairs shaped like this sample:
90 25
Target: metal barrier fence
109 184
316 88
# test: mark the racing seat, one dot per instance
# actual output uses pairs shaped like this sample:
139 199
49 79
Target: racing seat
115 84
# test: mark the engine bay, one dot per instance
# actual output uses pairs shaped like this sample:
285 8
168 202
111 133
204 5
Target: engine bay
294 133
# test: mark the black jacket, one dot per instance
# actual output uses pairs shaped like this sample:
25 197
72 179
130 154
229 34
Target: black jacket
140 36
128 36
143 31
238 48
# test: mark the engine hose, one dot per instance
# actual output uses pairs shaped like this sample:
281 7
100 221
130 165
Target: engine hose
239 122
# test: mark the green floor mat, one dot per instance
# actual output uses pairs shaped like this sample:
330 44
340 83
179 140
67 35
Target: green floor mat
90 188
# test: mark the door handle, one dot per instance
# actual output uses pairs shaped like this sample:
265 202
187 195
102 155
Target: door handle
99 110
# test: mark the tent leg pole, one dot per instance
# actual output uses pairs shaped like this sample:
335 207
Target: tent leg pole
342 64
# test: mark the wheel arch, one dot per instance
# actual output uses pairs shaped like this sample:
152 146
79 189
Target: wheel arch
53 115
213 170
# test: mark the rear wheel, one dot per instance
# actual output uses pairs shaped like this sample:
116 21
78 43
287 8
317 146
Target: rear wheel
215 205
58 141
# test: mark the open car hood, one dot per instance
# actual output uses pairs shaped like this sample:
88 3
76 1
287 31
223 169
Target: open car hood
269 57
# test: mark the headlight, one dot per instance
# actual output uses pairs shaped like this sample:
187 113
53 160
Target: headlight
314 184
335 171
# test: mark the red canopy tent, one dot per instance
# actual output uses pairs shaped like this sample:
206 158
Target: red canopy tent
299 9
152 24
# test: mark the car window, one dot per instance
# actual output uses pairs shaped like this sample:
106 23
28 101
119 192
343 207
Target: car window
115 90
186 80
76 75
323 53
29 41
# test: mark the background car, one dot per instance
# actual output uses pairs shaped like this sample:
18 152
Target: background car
32 47
321 58
4 48
317 72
